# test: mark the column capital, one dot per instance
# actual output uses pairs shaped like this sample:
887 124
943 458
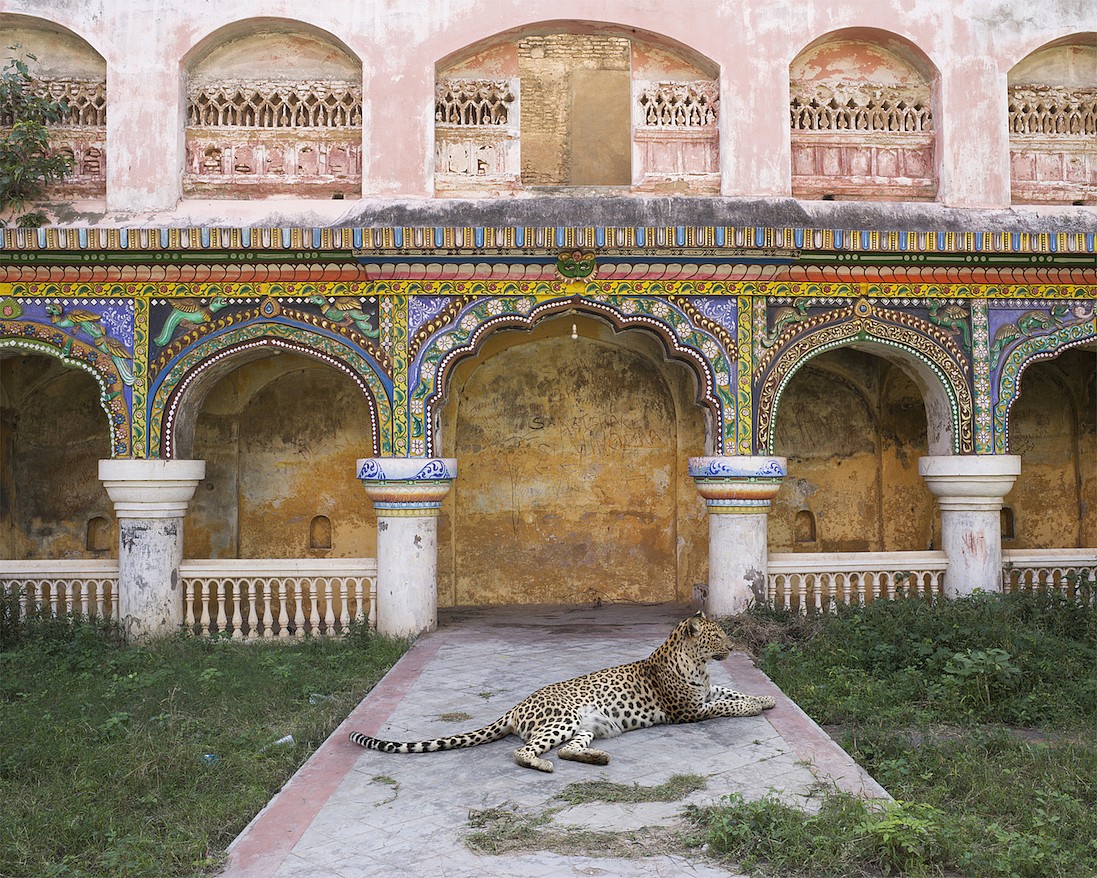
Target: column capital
739 483
407 486
151 488
970 482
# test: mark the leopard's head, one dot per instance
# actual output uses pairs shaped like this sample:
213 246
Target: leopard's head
707 637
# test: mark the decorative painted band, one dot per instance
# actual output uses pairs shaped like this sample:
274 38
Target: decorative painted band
407 469
738 467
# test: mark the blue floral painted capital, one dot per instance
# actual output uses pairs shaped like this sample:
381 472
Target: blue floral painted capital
412 486
738 467
406 469
740 484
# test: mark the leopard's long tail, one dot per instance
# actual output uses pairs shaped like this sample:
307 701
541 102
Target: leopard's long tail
494 732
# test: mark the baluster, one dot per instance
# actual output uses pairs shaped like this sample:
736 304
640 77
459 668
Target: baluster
299 618
237 608
188 605
283 609
222 595
203 588
817 591
372 602
333 586
254 590
268 600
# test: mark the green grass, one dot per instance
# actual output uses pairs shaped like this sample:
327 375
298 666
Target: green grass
978 715
131 761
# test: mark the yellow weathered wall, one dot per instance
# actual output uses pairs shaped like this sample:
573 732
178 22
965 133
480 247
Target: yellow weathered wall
1052 427
572 484
853 427
53 433
280 438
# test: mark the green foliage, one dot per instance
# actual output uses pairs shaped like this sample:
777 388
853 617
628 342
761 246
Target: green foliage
119 760
846 837
1021 659
27 163
931 695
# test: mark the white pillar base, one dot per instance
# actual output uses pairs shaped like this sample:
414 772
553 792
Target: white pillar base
150 499
969 491
737 491
406 494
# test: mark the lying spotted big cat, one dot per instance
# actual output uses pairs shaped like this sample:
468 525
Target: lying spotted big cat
669 686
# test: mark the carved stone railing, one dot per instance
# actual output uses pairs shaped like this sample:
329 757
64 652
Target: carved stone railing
862 140
816 581
679 104
676 136
248 138
1071 572
1053 144
82 587
277 598
473 102
476 139
860 107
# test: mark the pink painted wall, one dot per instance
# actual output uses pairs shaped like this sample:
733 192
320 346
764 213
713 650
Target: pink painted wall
973 44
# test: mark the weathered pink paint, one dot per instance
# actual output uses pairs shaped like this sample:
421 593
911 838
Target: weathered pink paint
147 51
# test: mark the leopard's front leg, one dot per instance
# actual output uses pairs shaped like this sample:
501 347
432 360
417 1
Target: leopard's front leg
722 693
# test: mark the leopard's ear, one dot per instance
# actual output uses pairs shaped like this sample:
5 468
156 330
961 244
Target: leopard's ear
694 624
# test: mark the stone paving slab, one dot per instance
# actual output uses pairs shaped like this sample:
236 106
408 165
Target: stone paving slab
352 813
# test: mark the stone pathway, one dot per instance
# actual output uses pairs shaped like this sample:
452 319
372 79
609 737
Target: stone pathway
351 813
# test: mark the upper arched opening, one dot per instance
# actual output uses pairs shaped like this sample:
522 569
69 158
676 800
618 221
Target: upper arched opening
862 116
1053 123
65 66
561 106
273 106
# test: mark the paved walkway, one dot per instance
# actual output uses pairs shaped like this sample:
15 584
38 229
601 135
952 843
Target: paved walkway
352 813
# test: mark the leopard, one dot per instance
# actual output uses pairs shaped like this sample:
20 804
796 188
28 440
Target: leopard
669 686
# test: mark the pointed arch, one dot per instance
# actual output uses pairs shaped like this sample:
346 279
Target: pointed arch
686 337
175 398
77 355
1040 347
929 356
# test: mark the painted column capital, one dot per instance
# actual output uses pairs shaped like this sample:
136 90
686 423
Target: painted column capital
970 482
739 483
407 486
151 489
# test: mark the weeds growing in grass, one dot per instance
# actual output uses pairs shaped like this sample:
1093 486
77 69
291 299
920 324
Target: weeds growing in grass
120 760
977 714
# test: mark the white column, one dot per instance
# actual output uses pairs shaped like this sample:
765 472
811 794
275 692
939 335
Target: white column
150 500
407 493
969 491
737 491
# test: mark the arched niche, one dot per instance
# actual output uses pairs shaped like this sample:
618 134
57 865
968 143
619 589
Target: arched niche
73 71
280 435
53 433
1053 427
1053 123
862 117
572 481
853 426
561 106
273 107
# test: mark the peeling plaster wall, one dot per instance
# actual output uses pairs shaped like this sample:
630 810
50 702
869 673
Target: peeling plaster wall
572 485
1053 426
280 438
53 433
973 43
853 427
